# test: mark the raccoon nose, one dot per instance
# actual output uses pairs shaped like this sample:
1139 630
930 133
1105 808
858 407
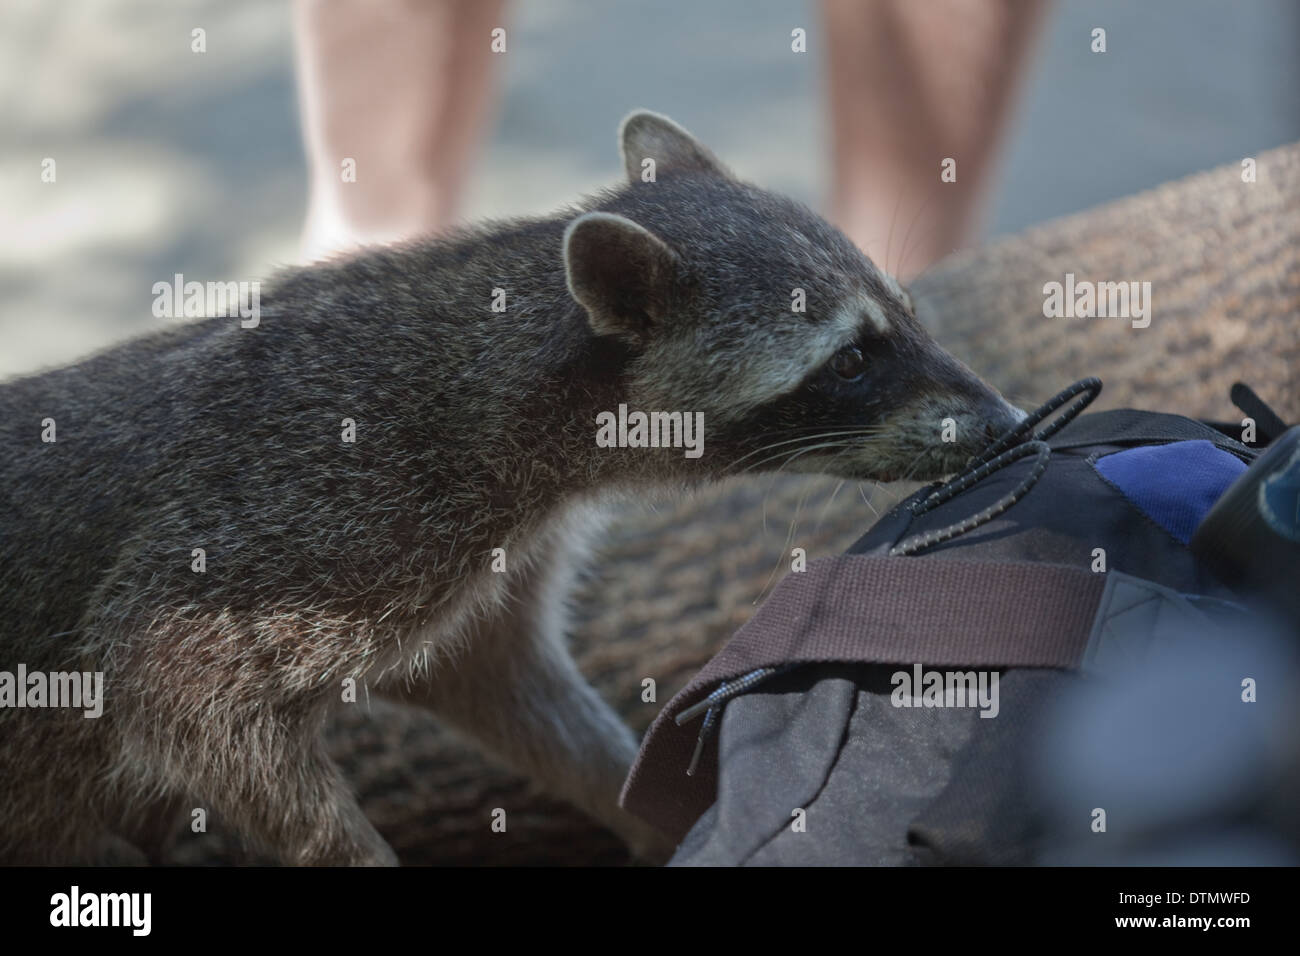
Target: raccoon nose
999 417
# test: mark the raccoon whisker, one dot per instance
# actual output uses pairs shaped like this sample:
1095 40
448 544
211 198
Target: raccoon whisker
794 429
789 537
843 447
907 236
798 507
889 240
795 453
827 507
864 430
867 501
775 475
902 258
911 469
788 456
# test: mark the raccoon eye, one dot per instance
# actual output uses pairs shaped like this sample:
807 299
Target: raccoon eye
848 363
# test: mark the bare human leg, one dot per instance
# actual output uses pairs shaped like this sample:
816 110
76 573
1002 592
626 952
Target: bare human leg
912 84
403 91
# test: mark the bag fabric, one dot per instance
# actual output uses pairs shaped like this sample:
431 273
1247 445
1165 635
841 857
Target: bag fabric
828 762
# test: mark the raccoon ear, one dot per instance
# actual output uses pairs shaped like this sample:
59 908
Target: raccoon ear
620 273
646 135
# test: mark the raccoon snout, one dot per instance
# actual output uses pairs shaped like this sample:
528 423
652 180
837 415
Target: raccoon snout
999 417
985 421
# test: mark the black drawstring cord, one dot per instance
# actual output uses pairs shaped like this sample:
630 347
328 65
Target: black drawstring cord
1090 389
918 542
713 704
1018 442
710 716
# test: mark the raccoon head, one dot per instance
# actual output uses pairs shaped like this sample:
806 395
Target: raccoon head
749 308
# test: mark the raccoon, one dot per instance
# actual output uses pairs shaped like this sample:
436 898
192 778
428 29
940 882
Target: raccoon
377 485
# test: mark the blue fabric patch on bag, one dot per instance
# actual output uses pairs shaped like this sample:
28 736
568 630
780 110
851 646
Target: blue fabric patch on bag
1174 484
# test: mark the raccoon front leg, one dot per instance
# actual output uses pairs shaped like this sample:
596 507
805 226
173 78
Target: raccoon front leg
515 690
302 810
265 771
48 814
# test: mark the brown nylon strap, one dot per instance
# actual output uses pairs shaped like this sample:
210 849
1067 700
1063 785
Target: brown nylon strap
881 610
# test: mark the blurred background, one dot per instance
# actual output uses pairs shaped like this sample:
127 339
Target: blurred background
172 162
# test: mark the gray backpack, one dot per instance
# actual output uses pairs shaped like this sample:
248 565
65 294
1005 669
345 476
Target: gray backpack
1055 657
